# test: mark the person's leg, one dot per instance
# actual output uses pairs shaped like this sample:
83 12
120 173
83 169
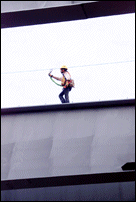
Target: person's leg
67 94
61 96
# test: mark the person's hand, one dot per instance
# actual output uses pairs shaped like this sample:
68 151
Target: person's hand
50 75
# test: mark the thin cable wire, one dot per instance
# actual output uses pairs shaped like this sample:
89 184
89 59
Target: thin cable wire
36 70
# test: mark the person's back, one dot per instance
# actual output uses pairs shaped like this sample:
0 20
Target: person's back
66 79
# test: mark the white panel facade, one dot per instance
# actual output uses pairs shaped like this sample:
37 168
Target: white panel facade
58 143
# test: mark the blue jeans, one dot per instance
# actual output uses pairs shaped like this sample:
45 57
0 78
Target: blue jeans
65 92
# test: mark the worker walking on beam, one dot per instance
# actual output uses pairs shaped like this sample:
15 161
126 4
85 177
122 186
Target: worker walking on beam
66 83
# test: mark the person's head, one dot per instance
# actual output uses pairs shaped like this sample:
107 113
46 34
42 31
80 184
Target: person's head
63 69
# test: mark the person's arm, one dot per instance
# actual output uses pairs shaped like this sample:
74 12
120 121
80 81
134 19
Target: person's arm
57 78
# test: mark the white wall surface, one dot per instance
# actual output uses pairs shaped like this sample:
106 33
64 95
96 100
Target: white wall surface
45 144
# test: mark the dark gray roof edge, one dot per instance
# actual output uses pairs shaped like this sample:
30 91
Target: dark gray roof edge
66 13
69 106
68 180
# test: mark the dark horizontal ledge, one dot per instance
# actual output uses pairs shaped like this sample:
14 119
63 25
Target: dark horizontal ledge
68 180
69 106
66 13
129 166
